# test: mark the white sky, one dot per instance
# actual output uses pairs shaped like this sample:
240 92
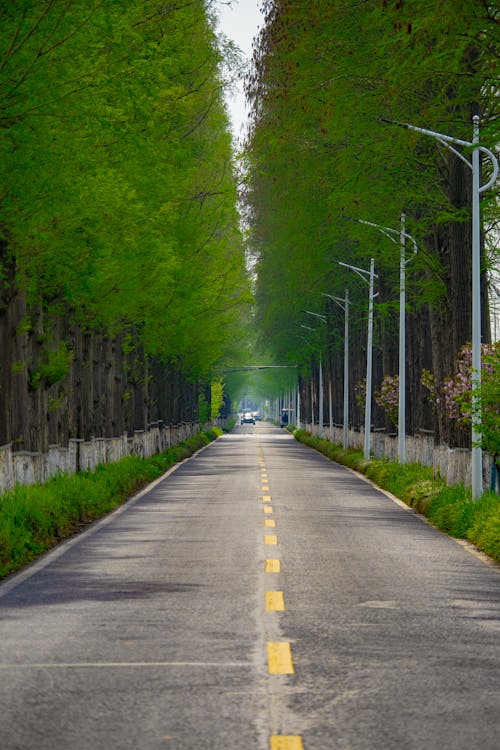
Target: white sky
240 20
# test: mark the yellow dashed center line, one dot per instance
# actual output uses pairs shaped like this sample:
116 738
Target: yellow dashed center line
289 742
273 566
279 654
279 658
275 601
286 742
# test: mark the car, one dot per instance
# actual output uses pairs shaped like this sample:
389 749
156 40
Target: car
247 419
257 416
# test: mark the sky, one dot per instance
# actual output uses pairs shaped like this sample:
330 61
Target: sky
240 20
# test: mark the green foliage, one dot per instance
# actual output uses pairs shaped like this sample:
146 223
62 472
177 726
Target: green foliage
229 425
36 517
489 401
458 391
262 383
57 364
118 196
54 367
217 399
450 509
485 528
203 409
325 73
214 432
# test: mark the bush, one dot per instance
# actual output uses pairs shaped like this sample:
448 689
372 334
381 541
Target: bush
484 530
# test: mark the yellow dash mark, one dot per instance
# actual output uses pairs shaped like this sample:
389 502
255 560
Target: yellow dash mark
279 658
275 601
269 523
266 498
273 566
282 742
268 508
271 539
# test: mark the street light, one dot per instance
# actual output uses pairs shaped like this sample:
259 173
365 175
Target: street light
320 385
344 305
320 415
477 189
369 348
402 235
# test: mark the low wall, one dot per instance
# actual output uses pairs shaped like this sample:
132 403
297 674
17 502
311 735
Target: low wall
453 464
24 467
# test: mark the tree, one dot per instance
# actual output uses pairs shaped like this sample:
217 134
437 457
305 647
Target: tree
118 211
324 74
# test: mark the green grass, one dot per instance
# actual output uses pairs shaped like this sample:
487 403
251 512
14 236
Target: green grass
450 509
34 518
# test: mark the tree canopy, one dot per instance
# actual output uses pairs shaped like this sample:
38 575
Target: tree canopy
327 77
118 188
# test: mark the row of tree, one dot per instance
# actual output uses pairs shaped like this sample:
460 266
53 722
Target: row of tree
326 78
122 267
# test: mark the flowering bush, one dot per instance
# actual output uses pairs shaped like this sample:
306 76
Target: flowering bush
458 394
388 396
458 389
488 404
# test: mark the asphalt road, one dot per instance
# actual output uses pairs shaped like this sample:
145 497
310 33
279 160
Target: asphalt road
259 596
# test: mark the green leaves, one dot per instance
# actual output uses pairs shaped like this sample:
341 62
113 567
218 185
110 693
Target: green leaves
325 74
117 188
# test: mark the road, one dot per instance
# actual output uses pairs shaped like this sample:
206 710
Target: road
258 596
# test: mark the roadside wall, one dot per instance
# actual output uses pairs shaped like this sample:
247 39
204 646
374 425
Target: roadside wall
25 467
453 464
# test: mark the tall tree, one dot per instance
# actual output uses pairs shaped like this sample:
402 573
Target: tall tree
324 74
117 195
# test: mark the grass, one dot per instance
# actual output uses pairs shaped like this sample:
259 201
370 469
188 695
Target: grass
450 509
34 518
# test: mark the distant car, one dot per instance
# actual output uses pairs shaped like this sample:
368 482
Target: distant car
257 417
247 419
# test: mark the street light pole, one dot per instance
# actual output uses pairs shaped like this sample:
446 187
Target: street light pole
477 189
402 347
369 349
344 305
392 234
320 378
308 328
